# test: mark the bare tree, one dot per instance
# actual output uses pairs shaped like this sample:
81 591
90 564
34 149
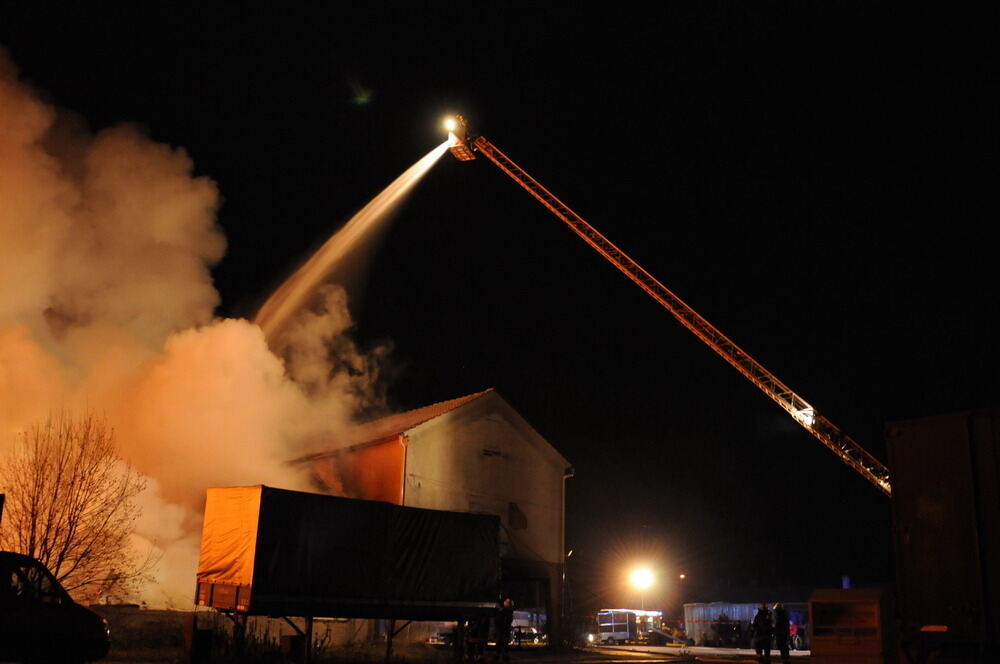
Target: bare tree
71 504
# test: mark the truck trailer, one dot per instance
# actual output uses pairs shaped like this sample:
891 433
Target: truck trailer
275 552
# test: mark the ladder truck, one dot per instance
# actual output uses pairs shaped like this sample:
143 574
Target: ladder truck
465 146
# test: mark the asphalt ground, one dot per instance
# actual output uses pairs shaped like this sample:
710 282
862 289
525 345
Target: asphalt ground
698 654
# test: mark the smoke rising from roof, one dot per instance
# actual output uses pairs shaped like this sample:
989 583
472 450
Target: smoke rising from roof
106 304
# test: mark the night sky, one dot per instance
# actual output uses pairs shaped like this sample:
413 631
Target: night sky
817 180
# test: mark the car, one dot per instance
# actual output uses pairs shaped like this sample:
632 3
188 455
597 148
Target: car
39 621
527 636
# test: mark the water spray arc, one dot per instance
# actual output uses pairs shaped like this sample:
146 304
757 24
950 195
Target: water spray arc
294 293
464 147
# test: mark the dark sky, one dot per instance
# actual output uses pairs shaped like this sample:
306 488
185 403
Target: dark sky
818 180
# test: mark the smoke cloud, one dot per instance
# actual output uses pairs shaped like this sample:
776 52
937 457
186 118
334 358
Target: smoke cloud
106 305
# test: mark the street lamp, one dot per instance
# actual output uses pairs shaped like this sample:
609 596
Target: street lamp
641 579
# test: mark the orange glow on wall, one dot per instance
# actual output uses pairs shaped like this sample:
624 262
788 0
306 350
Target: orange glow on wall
375 472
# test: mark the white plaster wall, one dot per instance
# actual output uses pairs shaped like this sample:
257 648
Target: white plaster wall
482 456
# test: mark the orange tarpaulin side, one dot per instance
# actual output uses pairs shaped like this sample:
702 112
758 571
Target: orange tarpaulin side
229 536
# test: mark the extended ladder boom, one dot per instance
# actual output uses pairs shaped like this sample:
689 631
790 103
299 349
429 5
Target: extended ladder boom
849 451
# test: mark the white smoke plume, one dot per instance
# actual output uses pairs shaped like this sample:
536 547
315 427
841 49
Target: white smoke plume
106 305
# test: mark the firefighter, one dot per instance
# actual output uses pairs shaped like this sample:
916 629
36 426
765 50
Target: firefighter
781 631
501 628
476 632
761 631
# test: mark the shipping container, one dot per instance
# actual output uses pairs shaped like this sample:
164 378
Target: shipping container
946 522
267 551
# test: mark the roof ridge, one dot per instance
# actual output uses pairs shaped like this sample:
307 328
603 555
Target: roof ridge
457 401
389 426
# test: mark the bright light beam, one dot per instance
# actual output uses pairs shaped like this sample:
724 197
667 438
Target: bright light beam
641 578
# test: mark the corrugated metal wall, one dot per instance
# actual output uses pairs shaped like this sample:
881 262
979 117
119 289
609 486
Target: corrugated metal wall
710 623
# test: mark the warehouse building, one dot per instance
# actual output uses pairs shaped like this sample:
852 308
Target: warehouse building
471 454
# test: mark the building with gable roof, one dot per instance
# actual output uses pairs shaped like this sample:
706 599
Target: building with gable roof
470 454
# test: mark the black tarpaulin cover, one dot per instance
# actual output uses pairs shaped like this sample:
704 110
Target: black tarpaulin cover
311 554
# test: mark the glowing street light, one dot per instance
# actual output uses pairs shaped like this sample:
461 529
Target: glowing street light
450 123
641 579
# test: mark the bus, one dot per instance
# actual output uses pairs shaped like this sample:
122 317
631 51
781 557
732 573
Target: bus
627 625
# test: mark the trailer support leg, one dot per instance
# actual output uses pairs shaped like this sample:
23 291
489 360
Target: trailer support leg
388 640
291 623
308 645
458 641
306 632
239 621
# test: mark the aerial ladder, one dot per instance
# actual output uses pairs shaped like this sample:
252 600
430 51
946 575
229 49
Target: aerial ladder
464 147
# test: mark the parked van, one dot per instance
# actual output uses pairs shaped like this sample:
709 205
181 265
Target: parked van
39 621
627 625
